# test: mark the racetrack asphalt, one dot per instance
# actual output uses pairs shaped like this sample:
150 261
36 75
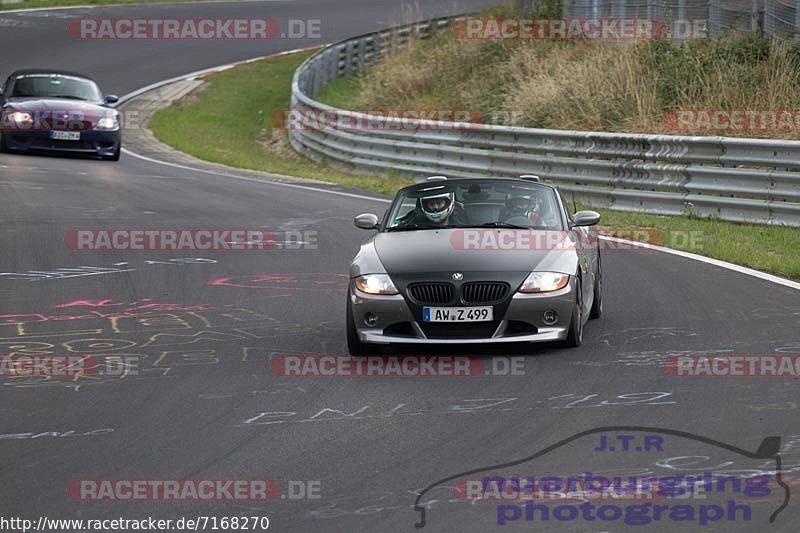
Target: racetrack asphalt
200 328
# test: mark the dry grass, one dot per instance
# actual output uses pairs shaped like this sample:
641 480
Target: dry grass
568 88
587 86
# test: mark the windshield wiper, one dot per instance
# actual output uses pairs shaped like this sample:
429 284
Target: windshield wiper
70 97
412 227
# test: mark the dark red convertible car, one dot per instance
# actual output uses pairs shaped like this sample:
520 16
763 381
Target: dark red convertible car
58 111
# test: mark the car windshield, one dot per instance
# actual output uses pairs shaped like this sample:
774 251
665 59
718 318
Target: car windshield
55 86
480 203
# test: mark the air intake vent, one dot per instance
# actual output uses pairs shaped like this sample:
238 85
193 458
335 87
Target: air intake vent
484 292
431 293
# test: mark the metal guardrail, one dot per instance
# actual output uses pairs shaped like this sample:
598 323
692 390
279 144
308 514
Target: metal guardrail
739 180
714 16
773 18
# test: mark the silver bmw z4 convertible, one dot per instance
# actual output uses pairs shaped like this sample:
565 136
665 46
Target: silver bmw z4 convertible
466 261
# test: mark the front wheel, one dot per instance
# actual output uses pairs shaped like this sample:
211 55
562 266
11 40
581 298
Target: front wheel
354 344
597 305
575 333
3 145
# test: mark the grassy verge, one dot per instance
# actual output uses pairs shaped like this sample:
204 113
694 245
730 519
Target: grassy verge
230 122
771 249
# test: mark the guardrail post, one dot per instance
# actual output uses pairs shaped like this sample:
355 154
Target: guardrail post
757 17
331 61
362 52
654 9
348 60
316 83
714 19
619 8
377 47
796 29
770 27
680 20
527 6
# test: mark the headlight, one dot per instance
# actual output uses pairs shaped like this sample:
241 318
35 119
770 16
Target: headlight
376 284
544 282
107 123
19 116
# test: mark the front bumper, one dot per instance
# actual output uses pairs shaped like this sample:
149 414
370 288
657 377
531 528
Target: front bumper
523 320
94 142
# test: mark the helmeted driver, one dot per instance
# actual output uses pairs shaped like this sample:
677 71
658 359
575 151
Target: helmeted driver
436 209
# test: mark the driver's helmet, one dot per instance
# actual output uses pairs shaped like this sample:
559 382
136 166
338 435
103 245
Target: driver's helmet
520 203
437 206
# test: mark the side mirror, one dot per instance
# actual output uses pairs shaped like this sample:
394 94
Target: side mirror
366 221
585 218
112 99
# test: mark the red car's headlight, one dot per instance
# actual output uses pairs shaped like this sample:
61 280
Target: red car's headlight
19 117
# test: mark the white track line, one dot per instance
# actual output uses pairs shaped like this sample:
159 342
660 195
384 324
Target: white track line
716 262
279 183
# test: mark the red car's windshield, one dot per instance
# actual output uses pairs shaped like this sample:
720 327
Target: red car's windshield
55 86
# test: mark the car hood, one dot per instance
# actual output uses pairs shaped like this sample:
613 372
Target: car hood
83 110
443 250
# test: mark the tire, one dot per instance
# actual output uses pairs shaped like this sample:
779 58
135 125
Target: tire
575 333
354 344
115 156
3 146
597 305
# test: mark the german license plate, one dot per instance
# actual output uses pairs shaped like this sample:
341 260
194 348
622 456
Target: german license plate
457 314
65 135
